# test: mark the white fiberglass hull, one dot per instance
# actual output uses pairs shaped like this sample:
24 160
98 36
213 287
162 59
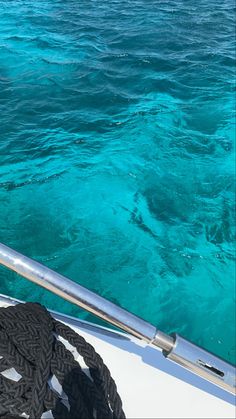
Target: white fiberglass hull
150 385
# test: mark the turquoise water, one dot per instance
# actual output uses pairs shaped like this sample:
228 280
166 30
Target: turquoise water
117 156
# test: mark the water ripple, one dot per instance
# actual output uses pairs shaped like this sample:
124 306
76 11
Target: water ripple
117 155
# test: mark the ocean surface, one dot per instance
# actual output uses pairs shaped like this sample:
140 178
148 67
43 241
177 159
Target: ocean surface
117 156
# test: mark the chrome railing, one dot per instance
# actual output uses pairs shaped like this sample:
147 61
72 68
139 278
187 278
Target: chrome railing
174 347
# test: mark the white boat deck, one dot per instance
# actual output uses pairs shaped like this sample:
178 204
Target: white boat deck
150 385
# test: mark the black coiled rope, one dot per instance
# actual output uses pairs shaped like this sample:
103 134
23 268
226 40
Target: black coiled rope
29 344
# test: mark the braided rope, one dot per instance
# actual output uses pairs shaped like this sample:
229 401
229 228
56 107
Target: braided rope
29 344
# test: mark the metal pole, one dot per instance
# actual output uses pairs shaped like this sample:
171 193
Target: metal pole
175 348
79 295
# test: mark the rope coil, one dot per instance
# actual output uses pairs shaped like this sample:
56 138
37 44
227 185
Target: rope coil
29 344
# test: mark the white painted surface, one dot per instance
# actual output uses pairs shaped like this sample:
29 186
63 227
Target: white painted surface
150 385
